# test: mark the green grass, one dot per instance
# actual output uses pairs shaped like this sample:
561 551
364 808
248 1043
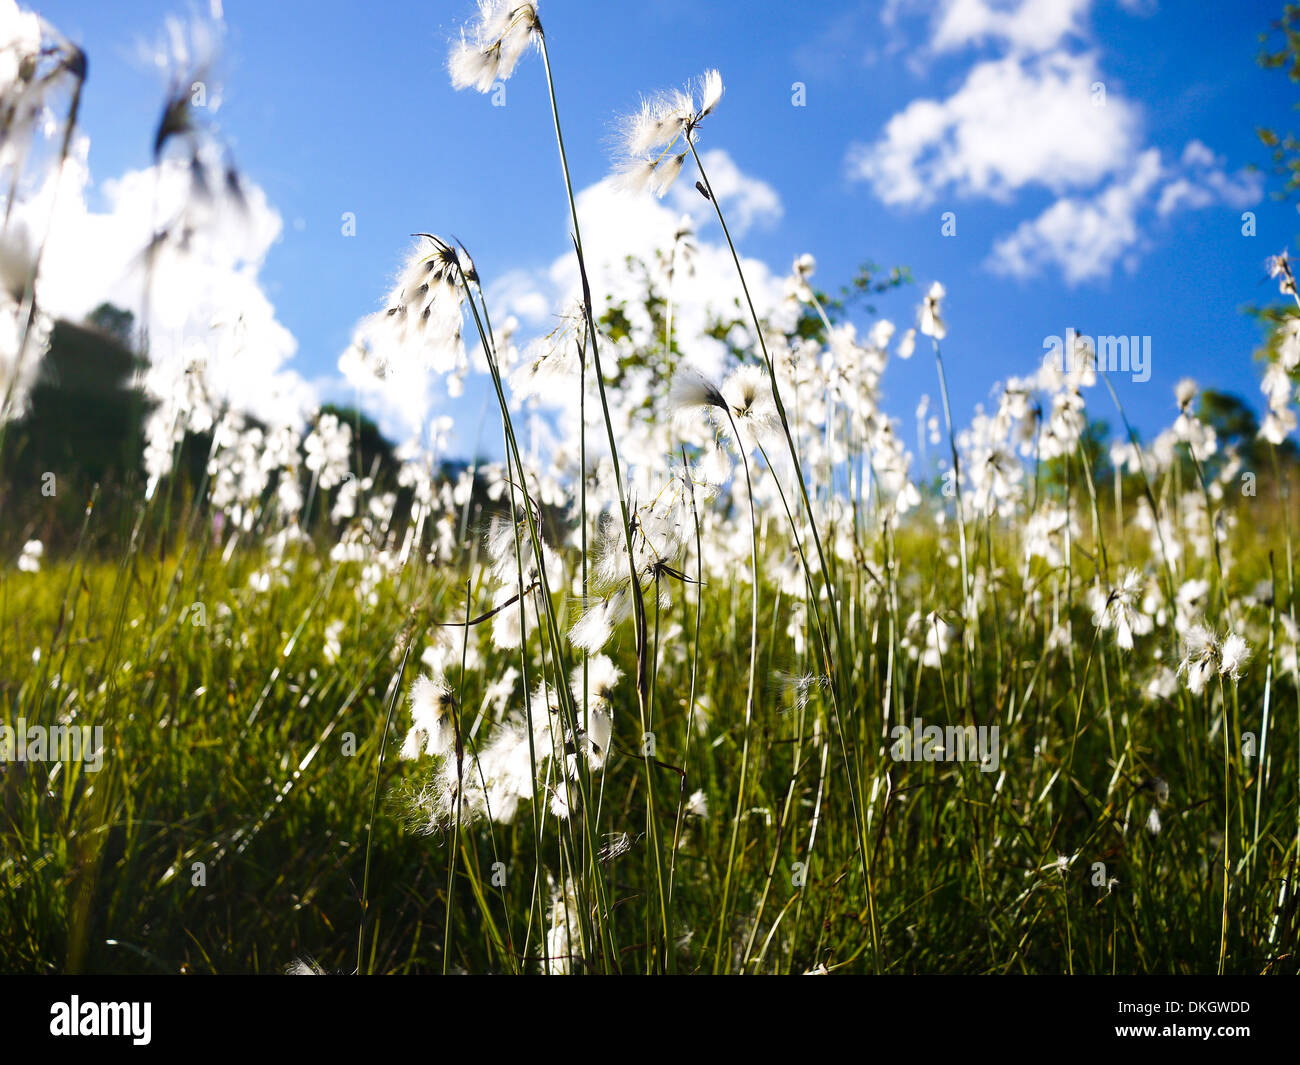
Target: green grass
252 809
227 745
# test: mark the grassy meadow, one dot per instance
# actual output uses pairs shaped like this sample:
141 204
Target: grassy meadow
229 828
725 680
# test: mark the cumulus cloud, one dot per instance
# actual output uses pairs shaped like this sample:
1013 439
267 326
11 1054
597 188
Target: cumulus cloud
206 302
1015 122
1085 238
747 201
1040 116
1031 25
1204 182
617 224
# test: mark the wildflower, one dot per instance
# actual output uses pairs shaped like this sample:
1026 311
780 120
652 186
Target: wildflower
454 794
504 539
881 334
1159 787
937 635
563 937
420 325
1279 266
1188 428
506 767
1204 655
593 630
691 389
329 447
1061 865
433 729
345 502
1119 610
601 676
615 846
35 60
1289 658
995 476
931 324
1045 533
23 343
655 141
798 286
1235 654
501 690
332 648
595 736
750 412
1162 685
1200 658
1276 384
1288 344
1191 600
1060 637
742 410
799 689
556 357
698 805
490 47
1065 425
1277 425
29 561
907 344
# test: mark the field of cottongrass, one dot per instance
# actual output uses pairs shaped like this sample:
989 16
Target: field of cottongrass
727 681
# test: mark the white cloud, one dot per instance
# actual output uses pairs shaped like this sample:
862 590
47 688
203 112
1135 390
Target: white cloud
746 201
400 402
1204 183
1084 237
1041 116
1030 25
617 224
206 300
1015 122
518 290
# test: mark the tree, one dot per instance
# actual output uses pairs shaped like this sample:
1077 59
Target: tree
83 425
1285 55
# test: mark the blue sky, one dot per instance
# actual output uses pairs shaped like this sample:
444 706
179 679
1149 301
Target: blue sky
1067 214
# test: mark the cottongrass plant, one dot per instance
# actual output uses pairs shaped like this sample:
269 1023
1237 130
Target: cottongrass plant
662 699
38 67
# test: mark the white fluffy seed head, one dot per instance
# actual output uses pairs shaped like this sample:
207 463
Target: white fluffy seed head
491 46
710 91
691 389
432 727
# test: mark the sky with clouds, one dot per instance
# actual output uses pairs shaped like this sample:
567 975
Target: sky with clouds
1090 158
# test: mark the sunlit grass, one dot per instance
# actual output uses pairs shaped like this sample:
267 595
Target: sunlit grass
235 742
